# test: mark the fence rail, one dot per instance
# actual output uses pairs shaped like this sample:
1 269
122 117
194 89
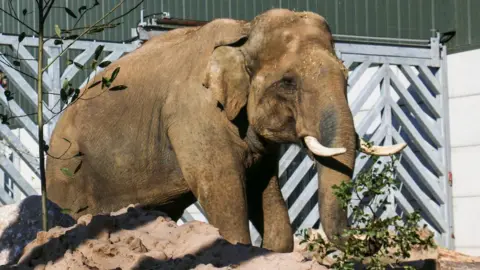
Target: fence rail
396 94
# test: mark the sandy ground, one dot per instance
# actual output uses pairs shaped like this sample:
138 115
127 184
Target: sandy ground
136 239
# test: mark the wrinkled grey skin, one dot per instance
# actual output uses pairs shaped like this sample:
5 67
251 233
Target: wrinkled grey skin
202 119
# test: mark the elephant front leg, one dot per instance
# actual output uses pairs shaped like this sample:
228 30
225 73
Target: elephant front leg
225 205
213 169
267 208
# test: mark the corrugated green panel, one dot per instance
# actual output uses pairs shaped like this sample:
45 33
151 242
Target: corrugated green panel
381 14
383 18
474 21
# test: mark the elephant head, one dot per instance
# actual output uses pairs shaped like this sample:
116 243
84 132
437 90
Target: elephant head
285 72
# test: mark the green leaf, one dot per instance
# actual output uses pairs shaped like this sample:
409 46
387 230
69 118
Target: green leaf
94 84
65 84
81 9
114 74
78 65
58 31
66 172
105 82
118 88
94 64
69 62
63 95
4 119
98 51
75 95
21 37
105 64
8 95
70 12
57 42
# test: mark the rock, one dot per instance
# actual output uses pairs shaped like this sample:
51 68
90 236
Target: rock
20 223
133 238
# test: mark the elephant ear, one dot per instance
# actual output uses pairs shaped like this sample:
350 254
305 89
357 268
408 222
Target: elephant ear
226 76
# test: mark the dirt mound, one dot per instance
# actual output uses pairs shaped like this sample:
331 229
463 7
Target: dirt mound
136 239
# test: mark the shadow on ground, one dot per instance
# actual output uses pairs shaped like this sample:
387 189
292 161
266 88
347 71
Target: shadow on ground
20 223
132 239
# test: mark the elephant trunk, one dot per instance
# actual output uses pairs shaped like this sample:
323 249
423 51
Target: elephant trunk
332 170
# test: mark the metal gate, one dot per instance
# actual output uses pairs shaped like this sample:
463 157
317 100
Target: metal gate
397 93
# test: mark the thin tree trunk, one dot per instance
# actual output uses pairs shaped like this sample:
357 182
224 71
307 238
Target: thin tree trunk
41 141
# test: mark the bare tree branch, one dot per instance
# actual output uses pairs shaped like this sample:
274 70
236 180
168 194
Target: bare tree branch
126 13
16 69
12 10
18 20
49 6
18 58
82 34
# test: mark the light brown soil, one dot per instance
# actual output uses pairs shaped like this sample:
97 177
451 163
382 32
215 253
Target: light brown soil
137 239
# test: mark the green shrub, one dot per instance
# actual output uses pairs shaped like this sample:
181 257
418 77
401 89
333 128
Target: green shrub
371 239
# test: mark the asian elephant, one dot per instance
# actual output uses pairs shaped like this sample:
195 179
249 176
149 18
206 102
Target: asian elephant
203 117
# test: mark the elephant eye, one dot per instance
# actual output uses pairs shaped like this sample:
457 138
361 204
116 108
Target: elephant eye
289 82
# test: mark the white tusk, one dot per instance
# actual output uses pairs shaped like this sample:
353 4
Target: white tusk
318 149
381 150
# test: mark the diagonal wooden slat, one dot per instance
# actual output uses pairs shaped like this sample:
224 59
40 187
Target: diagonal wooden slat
429 181
28 124
427 151
406 206
429 100
5 198
13 173
373 113
357 73
427 124
422 200
17 79
82 58
296 177
111 57
32 65
429 78
287 158
347 64
311 188
369 87
311 218
20 149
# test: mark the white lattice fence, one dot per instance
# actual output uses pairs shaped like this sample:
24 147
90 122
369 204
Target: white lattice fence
18 183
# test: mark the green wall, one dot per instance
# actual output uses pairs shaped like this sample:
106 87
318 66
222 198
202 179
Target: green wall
382 18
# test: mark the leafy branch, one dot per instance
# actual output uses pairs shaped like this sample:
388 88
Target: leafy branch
372 240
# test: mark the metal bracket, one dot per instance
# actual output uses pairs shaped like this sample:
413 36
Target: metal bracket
435 46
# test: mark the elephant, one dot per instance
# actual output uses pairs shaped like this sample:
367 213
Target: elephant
203 118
